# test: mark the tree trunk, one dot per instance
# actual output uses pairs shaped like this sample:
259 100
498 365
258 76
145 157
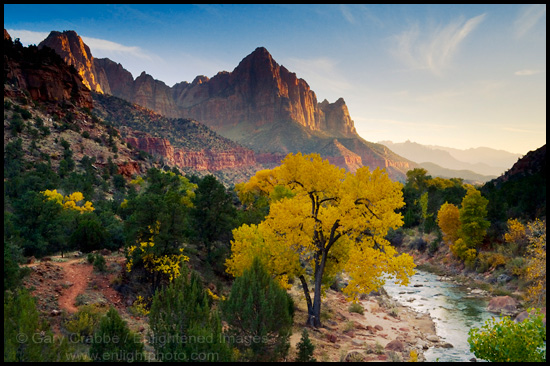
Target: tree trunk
308 297
314 318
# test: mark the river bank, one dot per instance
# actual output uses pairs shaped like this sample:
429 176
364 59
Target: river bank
386 330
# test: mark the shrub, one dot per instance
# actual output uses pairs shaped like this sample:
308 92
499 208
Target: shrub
418 244
99 263
505 340
355 307
86 320
23 324
305 348
516 266
127 347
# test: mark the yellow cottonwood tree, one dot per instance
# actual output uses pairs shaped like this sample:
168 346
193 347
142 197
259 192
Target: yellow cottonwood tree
329 221
448 219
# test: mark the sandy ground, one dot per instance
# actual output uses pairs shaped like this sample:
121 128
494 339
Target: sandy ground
349 336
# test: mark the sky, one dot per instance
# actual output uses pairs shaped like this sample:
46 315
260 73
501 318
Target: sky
460 76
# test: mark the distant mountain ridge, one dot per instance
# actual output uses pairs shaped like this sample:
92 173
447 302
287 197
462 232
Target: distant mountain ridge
260 105
481 160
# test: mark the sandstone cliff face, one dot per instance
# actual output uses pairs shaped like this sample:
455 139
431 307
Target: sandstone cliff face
197 159
114 78
44 75
72 49
256 93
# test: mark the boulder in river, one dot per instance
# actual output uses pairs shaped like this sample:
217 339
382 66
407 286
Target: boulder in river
504 305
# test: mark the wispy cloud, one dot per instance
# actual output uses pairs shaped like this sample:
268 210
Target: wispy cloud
99 47
27 37
102 46
433 49
528 18
347 14
319 72
521 130
527 72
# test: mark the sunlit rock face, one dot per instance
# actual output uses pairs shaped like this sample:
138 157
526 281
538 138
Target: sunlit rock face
45 78
72 49
259 92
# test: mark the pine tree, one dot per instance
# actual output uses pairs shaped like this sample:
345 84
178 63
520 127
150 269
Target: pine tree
260 314
183 323
305 348
114 341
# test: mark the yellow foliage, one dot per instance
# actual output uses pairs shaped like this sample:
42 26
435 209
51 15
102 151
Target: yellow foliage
516 232
341 217
448 219
413 356
536 270
69 202
169 265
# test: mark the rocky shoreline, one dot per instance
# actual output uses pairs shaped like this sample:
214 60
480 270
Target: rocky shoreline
385 330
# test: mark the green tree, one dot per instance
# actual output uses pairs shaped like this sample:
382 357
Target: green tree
305 348
89 234
157 215
473 225
260 313
183 323
213 213
27 337
505 340
114 341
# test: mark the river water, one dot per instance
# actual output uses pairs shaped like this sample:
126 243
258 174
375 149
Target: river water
452 308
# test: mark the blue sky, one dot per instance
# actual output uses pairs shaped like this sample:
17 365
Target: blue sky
452 75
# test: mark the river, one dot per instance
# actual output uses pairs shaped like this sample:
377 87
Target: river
452 308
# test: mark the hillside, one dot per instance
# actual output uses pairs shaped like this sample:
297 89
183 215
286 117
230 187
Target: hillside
521 191
183 143
467 175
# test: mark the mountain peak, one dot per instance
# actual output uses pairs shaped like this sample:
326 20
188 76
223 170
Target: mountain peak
75 52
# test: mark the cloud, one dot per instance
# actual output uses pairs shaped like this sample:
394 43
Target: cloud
99 47
528 18
527 72
104 47
346 13
28 37
522 130
433 49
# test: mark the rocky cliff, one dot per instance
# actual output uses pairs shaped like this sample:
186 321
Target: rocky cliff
72 49
204 159
43 74
178 142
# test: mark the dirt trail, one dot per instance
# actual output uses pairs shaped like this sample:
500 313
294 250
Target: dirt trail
79 275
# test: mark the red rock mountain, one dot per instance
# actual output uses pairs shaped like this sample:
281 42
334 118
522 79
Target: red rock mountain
72 49
260 104
43 74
